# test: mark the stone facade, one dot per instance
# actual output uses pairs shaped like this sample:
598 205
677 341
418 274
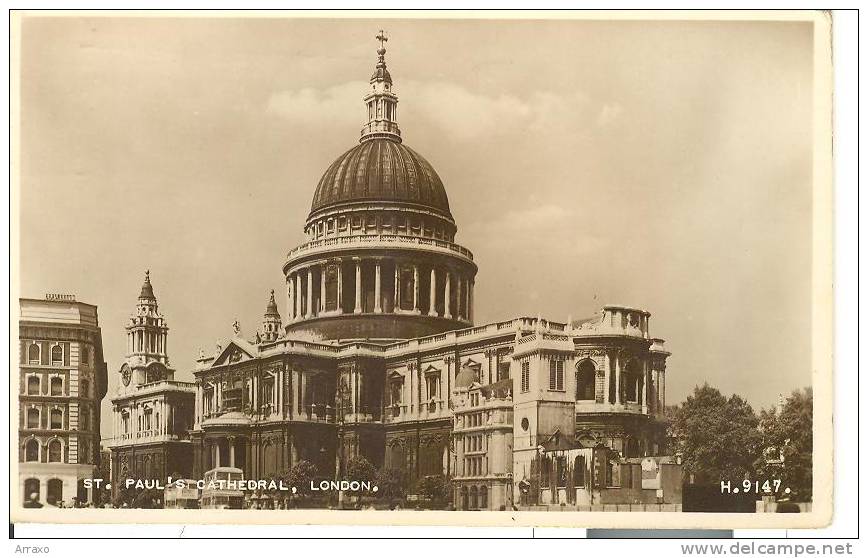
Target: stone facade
62 379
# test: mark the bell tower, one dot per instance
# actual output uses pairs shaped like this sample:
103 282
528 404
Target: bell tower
271 323
147 334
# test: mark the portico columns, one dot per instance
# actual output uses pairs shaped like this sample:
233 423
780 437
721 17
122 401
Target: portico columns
231 451
432 309
377 302
358 309
447 295
309 313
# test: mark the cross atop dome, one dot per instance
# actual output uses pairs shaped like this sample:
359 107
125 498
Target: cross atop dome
382 37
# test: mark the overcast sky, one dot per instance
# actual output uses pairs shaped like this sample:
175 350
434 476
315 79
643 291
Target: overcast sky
664 165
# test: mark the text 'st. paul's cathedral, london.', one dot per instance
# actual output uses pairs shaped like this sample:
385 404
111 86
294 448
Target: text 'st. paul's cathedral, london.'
376 354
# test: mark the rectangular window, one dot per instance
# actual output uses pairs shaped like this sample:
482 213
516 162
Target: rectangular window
85 355
556 375
525 377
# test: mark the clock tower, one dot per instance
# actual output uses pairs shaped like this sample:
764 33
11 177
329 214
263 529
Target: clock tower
147 333
151 411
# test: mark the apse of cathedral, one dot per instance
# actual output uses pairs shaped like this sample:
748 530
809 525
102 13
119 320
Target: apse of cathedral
377 355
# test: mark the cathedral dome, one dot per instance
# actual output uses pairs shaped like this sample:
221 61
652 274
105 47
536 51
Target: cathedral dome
381 170
381 262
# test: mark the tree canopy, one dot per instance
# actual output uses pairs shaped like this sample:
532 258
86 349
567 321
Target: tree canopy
717 437
788 442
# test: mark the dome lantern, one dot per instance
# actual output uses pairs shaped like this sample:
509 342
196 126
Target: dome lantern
382 104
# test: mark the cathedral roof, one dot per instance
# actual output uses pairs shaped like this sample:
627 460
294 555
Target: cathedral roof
381 170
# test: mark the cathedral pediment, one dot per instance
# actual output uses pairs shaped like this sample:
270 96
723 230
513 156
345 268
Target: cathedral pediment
234 352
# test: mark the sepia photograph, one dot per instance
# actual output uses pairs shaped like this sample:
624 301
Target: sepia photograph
390 268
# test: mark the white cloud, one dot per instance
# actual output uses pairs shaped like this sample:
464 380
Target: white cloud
451 108
609 113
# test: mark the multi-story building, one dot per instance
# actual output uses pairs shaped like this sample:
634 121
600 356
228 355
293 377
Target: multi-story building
62 379
379 356
152 413
482 442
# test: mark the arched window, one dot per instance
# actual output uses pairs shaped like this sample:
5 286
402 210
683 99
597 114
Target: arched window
55 451
31 487
474 498
33 354
31 451
483 498
57 355
56 418
55 491
56 386
32 418
33 385
585 380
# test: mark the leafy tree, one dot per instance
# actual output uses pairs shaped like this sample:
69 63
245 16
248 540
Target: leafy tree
434 487
360 469
788 443
717 437
390 484
301 477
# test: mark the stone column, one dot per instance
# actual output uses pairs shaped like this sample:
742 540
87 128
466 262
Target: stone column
280 392
289 303
296 392
358 309
618 379
446 296
458 281
432 308
216 446
663 390
377 302
297 292
322 287
416 288
470 300
396 306
340 297
309 313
